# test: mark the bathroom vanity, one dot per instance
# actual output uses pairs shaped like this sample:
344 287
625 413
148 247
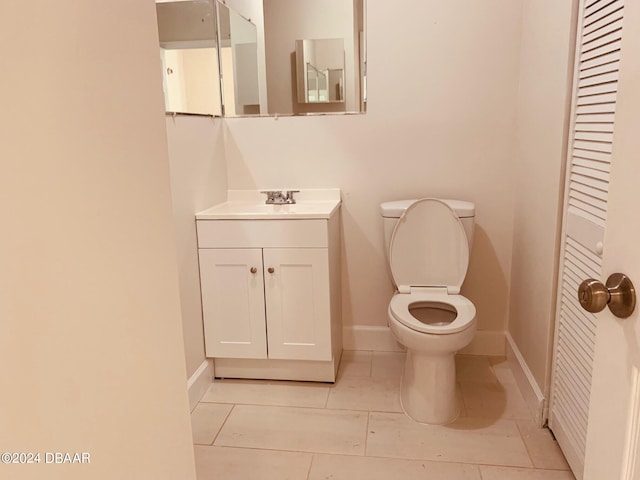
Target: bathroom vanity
270 281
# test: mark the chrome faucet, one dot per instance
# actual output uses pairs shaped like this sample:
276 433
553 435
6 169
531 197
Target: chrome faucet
278 197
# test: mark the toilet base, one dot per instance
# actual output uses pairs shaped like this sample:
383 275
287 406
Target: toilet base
428 388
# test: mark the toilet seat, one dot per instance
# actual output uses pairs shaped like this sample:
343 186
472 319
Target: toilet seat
429 255
465 311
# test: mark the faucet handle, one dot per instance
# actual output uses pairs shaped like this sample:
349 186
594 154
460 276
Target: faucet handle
271 195
275 197
289 196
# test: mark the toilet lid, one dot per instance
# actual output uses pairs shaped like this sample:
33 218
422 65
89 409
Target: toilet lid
429 247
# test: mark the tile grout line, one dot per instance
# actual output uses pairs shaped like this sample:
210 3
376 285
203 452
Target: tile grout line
480 472
393 457
313 457
366 434
215 437
306 407
526 448
331 387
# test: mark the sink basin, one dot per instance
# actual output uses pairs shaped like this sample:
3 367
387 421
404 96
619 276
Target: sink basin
249 204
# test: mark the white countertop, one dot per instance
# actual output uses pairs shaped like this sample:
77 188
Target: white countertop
250 205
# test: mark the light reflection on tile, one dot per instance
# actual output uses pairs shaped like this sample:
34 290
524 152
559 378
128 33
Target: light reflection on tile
295 429
366 393
501 370
468 440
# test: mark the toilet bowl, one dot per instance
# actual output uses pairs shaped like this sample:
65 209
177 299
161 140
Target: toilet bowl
433 327
428 253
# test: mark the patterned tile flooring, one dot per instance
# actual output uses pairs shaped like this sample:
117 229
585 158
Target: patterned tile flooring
355 429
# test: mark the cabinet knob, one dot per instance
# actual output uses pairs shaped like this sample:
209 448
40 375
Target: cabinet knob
253 270
271 269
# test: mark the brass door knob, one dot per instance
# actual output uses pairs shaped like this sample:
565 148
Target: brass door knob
271 269
593 295
253 270
618 294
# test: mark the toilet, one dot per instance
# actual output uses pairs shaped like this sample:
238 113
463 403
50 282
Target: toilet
428 243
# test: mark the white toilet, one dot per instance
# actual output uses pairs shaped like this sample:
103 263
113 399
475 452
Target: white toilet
428 243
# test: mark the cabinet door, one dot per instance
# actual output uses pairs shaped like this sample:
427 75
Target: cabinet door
233 303
297 300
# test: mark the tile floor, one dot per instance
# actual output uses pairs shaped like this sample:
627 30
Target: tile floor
355 429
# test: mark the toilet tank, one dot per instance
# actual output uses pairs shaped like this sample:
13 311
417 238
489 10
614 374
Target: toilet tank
391 212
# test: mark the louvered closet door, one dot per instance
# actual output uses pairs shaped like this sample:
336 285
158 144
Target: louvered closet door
585 215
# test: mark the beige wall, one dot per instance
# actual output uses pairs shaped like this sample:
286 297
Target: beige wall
91 352
545 73
444 127
198 180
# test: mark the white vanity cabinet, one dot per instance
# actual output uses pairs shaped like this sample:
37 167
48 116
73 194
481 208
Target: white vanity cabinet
233 307
266 303
271 296
297 299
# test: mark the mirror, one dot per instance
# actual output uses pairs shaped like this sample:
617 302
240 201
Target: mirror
263 57
189 55
239 62
320 70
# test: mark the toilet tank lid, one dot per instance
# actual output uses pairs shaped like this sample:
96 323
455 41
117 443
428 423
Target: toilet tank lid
394 209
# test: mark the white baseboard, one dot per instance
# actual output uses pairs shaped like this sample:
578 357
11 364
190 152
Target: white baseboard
365 337
199 382
375 338
527 384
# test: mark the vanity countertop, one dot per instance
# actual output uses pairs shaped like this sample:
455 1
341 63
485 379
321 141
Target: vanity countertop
250 205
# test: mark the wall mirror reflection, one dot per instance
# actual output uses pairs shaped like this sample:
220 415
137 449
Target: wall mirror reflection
320 70
188 50
265 57
238 40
